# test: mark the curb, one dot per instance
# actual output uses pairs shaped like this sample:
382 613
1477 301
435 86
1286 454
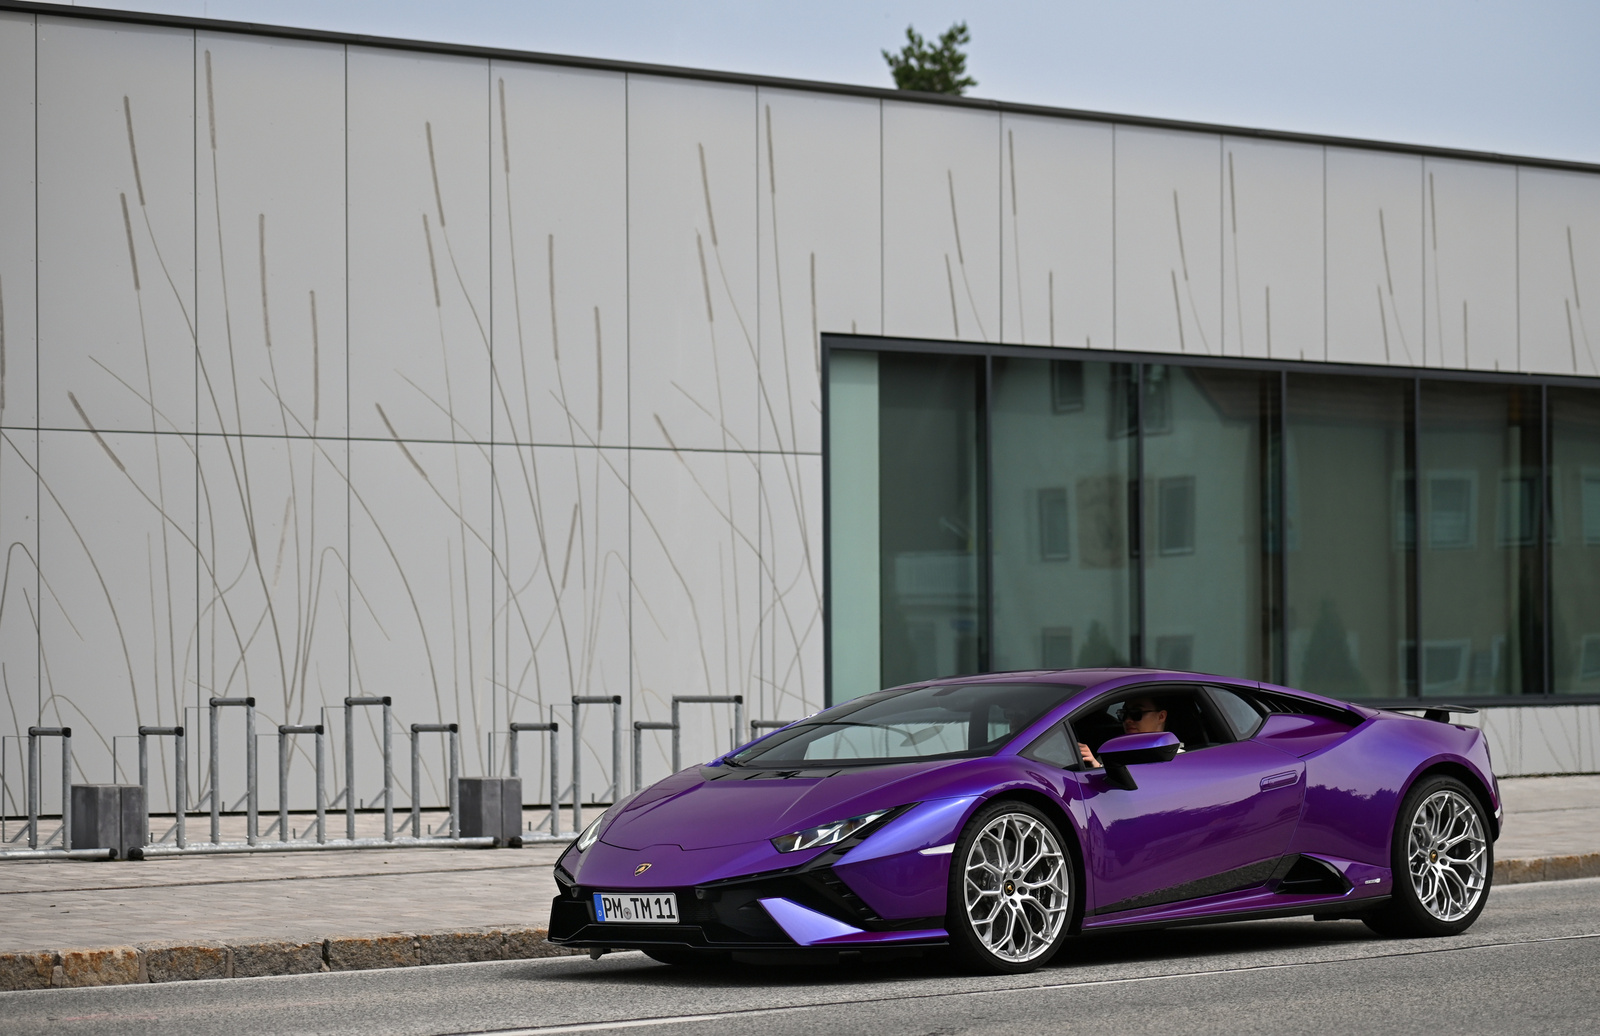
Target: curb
1546 868
182 962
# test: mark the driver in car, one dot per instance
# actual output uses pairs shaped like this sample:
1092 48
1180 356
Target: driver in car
1139 716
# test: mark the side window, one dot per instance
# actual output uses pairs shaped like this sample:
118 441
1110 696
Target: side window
1243 717
1055 748
1178 710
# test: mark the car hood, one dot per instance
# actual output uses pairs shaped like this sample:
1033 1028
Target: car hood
711 806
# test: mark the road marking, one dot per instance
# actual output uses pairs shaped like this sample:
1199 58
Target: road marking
756 1012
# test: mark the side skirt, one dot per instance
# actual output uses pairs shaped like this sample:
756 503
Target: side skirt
1324 909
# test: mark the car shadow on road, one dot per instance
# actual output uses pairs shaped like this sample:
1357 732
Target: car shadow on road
1186 945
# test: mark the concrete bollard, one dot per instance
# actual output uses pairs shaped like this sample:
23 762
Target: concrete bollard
491 807
109 816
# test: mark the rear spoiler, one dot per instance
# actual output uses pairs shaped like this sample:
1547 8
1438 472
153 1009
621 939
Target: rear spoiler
1437 713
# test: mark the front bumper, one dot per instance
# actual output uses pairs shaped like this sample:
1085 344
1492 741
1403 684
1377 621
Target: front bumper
808 905
885 886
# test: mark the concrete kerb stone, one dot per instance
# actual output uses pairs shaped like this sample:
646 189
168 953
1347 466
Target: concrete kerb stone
526 943
107 966
184 962
1547 868
276 957
366 952
464 947
30 969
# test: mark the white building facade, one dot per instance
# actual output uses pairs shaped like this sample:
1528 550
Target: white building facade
482 380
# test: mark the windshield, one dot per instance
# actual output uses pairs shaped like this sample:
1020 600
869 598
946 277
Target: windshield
943 721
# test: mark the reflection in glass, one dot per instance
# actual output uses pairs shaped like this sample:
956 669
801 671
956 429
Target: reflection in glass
1061 460
1349 534
1478 459
1207 580
855 660
1575 541
931 521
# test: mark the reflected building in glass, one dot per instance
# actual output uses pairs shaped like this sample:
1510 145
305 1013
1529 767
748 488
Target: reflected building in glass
1370 534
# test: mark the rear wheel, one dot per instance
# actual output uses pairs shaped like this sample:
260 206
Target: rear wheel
1011 890
1442 860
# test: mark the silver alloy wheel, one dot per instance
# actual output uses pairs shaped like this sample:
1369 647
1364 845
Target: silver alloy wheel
1016 887
1447 855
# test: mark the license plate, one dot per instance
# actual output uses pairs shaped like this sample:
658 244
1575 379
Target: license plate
636 908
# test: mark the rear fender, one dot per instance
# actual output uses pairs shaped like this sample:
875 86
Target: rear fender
1354 788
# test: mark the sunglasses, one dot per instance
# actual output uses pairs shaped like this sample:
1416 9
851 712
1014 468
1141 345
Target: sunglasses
1133 712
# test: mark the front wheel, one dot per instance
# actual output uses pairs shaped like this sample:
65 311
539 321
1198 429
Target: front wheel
1442 860
1011 890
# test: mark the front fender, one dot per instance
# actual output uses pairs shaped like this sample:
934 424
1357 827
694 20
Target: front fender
903 870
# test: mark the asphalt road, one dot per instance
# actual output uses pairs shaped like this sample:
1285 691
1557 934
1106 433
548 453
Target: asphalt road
1530 965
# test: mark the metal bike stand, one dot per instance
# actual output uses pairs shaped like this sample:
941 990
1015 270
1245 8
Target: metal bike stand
284 732
65 734
249 706
639 727
736 700
555 766
454 730
350 769
180 785
615 701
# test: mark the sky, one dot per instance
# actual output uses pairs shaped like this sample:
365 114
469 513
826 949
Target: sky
1518 78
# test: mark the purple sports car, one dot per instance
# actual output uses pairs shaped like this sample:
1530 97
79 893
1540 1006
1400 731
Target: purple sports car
998 815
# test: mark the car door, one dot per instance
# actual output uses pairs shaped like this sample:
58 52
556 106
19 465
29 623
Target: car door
1216 818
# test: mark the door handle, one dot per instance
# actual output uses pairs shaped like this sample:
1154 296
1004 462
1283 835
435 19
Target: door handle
1285 779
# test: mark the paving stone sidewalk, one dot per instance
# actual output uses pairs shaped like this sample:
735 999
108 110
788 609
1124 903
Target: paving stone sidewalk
1551 829
66 922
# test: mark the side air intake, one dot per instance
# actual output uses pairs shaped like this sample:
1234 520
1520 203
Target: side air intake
1312 877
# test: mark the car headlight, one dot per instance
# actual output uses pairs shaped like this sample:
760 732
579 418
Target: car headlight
827 834
591 834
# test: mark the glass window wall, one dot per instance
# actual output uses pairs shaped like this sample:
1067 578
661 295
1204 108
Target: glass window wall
1062 466
1382 537
1480 559
1575 541
1207 475
1348 534
931 518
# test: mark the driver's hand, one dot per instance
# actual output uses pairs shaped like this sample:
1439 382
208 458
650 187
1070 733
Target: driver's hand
1087 755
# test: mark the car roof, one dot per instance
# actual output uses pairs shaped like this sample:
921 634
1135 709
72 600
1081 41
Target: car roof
1089 679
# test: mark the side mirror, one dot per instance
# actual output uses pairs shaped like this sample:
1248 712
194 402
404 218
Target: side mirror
1120 752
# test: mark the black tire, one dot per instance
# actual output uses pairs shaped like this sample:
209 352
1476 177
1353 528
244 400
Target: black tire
1036 896
684 957
1442 876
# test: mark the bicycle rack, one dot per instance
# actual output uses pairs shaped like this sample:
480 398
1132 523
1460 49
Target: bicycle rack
639 727
65 734
251 822
180 785
350 769
736 700
284 731
555 766
615 789
454 730
676 726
